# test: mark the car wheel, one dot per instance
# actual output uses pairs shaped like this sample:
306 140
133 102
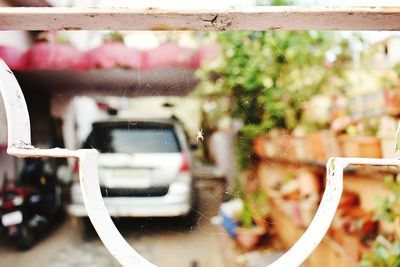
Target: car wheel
26 238
88 231
189 221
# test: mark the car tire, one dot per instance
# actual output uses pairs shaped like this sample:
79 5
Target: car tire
189 221
88 231
26 238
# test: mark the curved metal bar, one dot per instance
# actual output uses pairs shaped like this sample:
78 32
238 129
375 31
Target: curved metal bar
99 216
322 219
326 210
19 127
19 145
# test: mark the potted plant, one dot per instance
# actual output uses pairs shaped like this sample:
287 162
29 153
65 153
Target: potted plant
259 145
248 233
253 220
361 140
388 208
386 249
383 254
300 144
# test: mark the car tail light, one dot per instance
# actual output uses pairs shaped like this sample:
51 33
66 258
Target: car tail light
14 199
185 166
76 171
76 167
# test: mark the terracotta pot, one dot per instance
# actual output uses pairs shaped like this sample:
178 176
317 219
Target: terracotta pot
271 147
352 247
301 148
323 145
316 148
292 208
331 144
349 200
361 146
286 147
259 145
350 243
249 238
309 183
308 208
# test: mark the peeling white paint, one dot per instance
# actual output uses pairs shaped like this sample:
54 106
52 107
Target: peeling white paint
257 18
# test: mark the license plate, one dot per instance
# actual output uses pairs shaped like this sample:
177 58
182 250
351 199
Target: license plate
11 218
131 173
128 178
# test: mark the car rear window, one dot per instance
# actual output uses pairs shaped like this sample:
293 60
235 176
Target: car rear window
130 140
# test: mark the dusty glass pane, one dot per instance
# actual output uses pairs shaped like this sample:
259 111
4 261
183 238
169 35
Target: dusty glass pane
205 141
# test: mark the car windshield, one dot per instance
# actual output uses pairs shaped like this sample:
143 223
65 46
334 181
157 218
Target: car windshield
133 140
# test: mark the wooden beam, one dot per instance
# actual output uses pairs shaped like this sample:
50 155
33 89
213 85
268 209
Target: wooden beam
258 18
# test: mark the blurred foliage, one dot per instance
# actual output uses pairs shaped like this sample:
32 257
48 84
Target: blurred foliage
397 69
114 36
255 207
267 76
246 220
386 252
245 140
368 126
388 208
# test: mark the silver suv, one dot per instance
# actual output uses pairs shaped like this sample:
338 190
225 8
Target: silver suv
144 169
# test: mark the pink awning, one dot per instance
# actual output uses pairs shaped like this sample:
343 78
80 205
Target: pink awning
168 55
55 56
44 55
113 54
14 57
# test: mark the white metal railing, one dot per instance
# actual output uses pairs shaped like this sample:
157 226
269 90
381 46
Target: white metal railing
269 18
256 18
19 144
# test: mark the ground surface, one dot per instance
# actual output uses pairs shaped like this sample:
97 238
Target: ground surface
165 242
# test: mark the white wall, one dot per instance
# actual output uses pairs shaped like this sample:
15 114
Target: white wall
17 39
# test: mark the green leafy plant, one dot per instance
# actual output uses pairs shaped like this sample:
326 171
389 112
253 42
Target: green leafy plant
245 139
246 220
388 208
396 68
255 209
385 254
365 127
267 76
114 37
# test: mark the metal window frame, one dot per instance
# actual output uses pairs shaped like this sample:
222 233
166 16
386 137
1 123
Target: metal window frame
265 18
